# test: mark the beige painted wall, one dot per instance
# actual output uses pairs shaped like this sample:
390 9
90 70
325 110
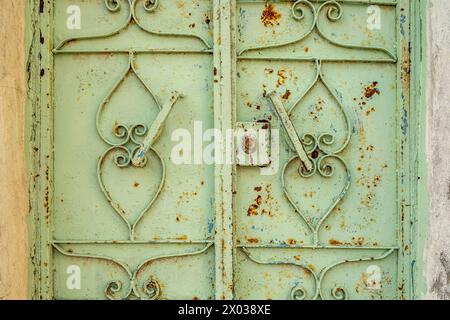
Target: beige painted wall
13 189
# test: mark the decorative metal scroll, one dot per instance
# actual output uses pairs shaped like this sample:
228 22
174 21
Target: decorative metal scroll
334 13
149 6
115 289
319 145
300 293
124 155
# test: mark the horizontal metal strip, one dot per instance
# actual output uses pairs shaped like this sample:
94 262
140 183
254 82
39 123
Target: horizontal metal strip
274 246
312 59
135 51
131 242
367 2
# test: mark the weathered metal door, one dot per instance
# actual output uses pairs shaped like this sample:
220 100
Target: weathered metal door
129 205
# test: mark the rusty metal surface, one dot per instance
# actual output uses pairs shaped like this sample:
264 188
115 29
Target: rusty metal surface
327 221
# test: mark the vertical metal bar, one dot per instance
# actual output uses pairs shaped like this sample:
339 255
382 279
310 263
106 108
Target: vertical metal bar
419 191
223 120
44 114
403 147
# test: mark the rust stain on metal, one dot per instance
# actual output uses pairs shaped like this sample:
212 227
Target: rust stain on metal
370 111
252 210
335 242
270 16
261 201
291 242
249 144
253 240
358 241
286 95
281 74
312 267
268 71
207 20
371 90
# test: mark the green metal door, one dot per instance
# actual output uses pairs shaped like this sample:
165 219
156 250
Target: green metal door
129 205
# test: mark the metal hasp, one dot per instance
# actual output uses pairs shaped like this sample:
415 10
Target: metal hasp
155 130
290 130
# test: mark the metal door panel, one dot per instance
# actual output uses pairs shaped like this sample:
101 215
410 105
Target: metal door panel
127 227
335 93
370 155
184 206
339 84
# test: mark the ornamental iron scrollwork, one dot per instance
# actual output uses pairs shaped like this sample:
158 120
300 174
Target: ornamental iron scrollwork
126 149
115 289
300 293
334 13
115 6
319 145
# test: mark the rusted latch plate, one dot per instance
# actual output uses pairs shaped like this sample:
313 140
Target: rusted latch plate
253 144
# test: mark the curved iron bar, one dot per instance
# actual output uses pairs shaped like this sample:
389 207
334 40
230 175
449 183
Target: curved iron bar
114 6
151 289
320 142
340 293
127 134
324 137
120 130
334 13
122 161
113 287
298 14
318 167
299 293
151 260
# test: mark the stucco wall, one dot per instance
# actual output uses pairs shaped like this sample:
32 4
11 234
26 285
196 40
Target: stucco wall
13 189
437 252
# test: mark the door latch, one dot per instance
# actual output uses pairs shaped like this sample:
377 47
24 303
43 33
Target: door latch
290 130
155 130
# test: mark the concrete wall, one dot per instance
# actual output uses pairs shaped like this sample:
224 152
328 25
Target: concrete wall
13 187
437 252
